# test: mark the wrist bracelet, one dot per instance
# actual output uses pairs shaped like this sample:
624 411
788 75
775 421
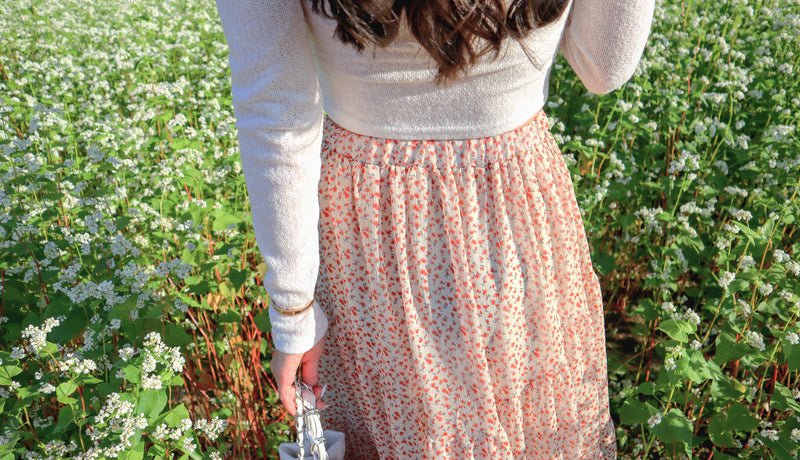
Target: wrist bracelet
293 312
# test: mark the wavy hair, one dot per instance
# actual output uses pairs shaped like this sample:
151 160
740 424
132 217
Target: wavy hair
446 29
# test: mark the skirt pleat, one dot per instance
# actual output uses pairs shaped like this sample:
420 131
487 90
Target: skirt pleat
466 319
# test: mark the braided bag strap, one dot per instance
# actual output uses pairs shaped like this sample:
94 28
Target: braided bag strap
309 425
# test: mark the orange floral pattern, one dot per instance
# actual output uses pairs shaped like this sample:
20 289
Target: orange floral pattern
466 319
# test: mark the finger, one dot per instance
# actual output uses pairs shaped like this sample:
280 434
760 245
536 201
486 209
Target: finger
319 392
287 398
310 373
281 370
284 381
286 393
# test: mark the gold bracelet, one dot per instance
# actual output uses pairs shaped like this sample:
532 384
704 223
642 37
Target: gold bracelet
293 312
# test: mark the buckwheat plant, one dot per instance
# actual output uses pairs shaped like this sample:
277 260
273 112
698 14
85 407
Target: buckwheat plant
688 178
116 160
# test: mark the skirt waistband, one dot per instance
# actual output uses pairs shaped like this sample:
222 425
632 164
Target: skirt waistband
533 136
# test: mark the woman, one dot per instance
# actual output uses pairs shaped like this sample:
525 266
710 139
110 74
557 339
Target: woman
426 253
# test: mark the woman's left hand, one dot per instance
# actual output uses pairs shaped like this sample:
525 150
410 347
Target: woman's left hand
284 368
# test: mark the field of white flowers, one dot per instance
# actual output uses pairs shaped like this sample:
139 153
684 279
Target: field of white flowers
131 311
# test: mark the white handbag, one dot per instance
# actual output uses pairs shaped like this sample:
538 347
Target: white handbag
313 443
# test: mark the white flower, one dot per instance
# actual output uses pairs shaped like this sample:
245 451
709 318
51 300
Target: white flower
795 436
181 306
765 289
185 424
746 261
161 431
149 363
781 256
793 338
744 306
654 420
725 279
188 445
47 388
17 353
691 316
126 352
771 434
151 382
211 428
37 336
756 340
740 214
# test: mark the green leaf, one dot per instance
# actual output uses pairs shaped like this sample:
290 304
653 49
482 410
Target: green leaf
739 285
226 288
229 316
67 330
783 399
726 390
151 403
238 277
718 432
699 369
728 349
180 143
750 234
634 411
675 427
222 220
604 263
176 336
176 415
262 321
677 329
740 418
132 374
720 456
201 287
647 310
134 453
791 354
7 449
65 418
7 372
64 390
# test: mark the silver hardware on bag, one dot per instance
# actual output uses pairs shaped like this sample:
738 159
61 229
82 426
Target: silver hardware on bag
309 426
312 441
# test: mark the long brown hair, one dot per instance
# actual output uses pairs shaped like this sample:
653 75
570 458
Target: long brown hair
447 29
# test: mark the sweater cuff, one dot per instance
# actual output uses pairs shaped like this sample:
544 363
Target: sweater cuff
295 334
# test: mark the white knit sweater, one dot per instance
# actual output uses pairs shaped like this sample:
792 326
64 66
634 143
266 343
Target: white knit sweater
287 66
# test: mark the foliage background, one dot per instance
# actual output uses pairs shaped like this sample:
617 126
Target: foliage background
123 212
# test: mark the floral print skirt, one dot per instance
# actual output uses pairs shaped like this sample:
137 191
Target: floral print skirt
466 319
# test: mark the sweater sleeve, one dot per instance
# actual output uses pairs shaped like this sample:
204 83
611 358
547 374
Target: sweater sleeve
603 40
278 108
